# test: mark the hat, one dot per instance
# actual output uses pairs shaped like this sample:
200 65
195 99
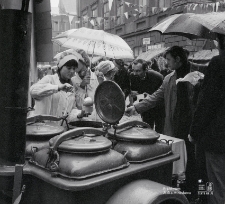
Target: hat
84 56
105 66
65 57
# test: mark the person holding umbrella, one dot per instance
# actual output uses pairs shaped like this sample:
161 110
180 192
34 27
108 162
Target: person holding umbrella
208 125
85 82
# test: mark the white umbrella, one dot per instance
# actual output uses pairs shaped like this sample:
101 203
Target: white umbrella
95 42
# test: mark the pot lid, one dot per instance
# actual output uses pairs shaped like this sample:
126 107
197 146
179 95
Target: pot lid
87 143
139 134
44 129
109 102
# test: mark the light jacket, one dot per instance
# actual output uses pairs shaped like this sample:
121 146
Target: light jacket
50 101
167 92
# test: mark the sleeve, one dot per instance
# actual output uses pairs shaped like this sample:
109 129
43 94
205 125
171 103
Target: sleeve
152 100
209 100
127 85
43 88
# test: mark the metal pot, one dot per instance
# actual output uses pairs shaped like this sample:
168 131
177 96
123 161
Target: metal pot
79 153
39 132
134 138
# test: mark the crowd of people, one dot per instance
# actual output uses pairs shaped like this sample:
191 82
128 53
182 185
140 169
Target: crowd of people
178 101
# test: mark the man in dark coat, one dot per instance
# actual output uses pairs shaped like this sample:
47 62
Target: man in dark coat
208 125
122 77
148 81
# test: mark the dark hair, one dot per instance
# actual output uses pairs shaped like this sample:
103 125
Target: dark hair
142 62
177 51
155 65
187 52
221 41
71 63
119 62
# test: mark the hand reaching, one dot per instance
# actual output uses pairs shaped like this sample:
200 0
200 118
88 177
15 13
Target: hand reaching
192 77
86 79
130 111
65 87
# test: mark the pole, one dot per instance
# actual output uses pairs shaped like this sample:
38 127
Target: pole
33 63
15 40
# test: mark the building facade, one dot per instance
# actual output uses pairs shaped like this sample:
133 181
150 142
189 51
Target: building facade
64 17
132 19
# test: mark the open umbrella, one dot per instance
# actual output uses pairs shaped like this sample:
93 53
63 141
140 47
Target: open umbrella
192 25
214 21
95 42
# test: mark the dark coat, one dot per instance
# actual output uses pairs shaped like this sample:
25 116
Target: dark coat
208 125
122 78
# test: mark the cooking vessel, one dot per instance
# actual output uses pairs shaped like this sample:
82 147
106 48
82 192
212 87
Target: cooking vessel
79 153
134 138
39 130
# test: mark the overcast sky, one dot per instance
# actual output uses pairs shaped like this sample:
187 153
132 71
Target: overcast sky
54 3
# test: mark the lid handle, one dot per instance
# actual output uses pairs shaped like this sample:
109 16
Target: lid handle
73 134
132 123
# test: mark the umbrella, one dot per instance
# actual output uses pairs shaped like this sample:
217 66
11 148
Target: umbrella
214 21
191 25
152 53
95 42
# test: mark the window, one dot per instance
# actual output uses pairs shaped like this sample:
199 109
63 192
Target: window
137 51
120 14
63 26
94 13
164 3
142 8
55 26
106 15
84 19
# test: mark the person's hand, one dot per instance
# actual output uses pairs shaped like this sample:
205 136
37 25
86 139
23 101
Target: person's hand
65 87
81 114
130 111
193 77
86 79
133 93
191 139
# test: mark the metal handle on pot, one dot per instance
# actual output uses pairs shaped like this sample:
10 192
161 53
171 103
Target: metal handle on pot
73 134
132 123
40 118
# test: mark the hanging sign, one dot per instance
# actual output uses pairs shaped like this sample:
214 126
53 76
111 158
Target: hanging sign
146 41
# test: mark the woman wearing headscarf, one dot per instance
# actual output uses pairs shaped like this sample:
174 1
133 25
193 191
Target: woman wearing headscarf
105 70
54 94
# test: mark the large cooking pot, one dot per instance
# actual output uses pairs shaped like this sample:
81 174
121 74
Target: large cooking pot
39 130
79 153
134 138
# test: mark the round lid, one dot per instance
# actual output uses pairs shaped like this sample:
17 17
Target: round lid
138 134
44 129
87 143
109 102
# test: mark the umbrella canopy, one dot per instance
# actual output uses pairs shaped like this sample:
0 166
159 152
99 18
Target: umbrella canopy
203 55
192 25
214 21
152 53
95 42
